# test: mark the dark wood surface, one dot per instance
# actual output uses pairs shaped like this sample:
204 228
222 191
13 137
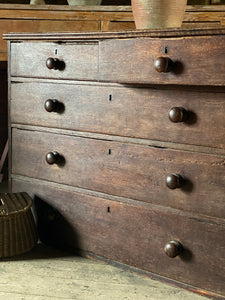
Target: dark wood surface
98 142
124 111
43 18
79 61
132 171
131 34
123 61
132 233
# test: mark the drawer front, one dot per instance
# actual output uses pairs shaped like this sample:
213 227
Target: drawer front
132 112
196 60
73 61
132 234
132 171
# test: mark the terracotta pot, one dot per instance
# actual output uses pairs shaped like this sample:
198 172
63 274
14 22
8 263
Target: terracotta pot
158 14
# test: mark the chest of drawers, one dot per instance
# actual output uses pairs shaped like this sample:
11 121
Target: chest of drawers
119 138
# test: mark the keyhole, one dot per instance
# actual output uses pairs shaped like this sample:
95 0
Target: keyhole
56 51
166 50
110 151
110 97
108 209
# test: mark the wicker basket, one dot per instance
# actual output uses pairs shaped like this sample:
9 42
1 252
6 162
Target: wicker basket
17 227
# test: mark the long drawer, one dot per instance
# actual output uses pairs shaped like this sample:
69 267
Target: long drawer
134 234
71 61
193 60
132 112
126 170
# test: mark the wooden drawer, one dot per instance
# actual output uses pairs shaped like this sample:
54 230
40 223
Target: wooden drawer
132 112
76 60
134 234
197 60
126 170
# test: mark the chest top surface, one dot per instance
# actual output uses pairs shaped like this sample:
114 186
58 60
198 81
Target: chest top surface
180 57
79 35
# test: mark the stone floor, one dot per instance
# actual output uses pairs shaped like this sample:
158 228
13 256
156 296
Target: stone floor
46 273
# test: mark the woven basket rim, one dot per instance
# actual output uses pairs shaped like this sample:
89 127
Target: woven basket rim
4 212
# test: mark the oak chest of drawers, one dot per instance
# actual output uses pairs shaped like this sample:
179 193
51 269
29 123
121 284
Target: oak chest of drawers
119 137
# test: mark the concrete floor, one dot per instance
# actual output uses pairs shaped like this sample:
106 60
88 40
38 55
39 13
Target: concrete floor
46 273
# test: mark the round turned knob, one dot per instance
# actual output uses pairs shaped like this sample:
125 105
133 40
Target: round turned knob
53 157
163 64
51 105
174 181
177 114
173 249
52 63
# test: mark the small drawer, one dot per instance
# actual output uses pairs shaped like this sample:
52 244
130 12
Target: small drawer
134 234
184 61
179 179
54 60
132 112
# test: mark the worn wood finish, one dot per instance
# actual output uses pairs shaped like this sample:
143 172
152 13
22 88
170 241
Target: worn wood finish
23 18
133 167
123 170
104 109
122 231
114 54
80 62
123 61
43 25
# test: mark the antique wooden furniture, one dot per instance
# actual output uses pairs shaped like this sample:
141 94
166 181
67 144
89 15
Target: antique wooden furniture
26 18
119 137
23 18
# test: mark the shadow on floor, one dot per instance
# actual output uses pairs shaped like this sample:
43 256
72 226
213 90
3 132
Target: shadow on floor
41 251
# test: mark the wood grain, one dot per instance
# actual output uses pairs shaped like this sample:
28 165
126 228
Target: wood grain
132 171
132 234
81 60
123 61
124 111
110 147
137 68
26 25
28 18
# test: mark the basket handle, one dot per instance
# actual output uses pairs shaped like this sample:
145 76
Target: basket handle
3 209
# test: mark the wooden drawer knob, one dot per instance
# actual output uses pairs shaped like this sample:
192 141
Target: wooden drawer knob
177 114
53 63
174 181
53 157
51 105
173 249
163 64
